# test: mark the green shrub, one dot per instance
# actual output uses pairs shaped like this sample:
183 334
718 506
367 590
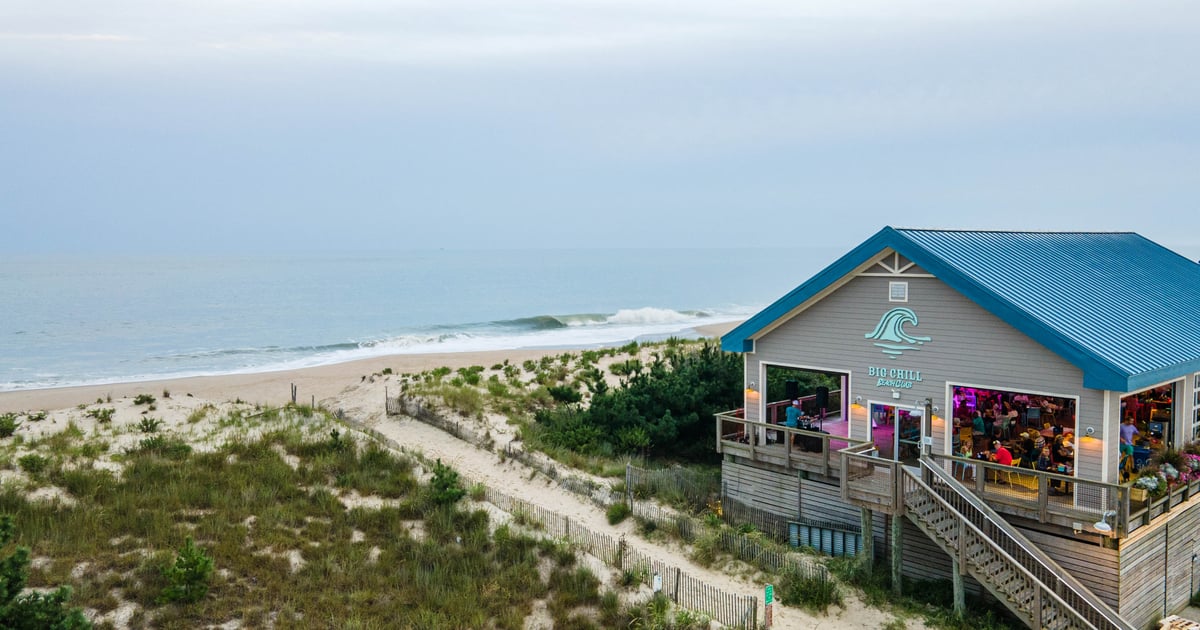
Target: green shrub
564 393
617 512
102 415
706 548
149 425
8 424
36 416
163 447
444 488
33 463
188 576
144 399
33 609
814 591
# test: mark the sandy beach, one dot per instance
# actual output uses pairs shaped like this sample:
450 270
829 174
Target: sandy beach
358 388
324 384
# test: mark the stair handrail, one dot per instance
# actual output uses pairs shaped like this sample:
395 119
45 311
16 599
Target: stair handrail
1060 585
1043 588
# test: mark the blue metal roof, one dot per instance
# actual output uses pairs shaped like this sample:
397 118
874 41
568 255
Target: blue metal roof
1123 309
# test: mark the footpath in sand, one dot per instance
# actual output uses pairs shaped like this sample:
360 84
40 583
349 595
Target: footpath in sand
517 480
352 388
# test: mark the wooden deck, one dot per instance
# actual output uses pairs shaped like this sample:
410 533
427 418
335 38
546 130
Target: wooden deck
780 447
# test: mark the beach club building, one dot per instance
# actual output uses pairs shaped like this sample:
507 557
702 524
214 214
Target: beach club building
966 417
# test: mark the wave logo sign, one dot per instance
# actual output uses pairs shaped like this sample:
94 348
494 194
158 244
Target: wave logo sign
890 336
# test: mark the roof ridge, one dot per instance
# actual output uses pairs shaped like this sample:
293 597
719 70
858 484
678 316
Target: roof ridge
998 231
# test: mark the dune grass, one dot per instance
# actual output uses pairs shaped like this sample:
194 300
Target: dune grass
285 548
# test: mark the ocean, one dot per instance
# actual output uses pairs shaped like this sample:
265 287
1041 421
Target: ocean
92 320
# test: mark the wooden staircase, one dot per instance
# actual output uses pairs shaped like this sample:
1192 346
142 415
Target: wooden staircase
1000 558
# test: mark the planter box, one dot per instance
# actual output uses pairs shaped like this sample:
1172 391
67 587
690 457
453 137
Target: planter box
1137 494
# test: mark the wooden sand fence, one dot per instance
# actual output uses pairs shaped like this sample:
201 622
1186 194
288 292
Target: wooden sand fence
696 489
772 525
685 590
766 555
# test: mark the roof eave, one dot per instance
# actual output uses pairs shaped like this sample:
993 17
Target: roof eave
741 338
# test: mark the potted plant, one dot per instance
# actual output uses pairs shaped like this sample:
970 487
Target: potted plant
1150 482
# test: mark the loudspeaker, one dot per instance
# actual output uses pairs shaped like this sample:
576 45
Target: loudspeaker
791 390
822 399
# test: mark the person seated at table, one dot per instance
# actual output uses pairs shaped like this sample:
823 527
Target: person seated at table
1028 450
1045 460
977 424
992 427
1068 448
1060 451
968 470
1000 454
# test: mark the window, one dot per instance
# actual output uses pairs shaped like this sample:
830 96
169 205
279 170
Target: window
897 291
1196 407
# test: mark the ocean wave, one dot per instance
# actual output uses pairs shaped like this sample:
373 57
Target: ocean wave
581 330
651 316
647 315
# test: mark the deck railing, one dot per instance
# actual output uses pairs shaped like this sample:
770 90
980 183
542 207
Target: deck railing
777 410
777 444
1043 496
870 481
1059 594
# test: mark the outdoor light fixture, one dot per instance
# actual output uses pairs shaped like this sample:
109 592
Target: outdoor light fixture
1090 430
895 394
751 389
1102 524
858 400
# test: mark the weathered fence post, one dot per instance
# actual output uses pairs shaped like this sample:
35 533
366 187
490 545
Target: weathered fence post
897 553
868 539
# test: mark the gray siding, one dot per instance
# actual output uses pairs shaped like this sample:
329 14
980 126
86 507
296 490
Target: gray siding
789 496
1157 567
968 346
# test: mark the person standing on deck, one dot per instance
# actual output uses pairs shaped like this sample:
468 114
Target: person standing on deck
793 415
1128 430
793 419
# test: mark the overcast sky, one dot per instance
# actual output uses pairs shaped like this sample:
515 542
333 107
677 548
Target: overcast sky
229 125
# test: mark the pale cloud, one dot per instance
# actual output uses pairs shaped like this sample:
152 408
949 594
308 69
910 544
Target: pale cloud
477 122
66 37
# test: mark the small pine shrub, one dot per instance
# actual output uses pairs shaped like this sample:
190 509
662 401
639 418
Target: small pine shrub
188 577
144 399
33 609
444 488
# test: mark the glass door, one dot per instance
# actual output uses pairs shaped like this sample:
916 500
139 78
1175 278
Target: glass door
908 435
896 432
